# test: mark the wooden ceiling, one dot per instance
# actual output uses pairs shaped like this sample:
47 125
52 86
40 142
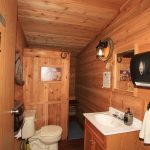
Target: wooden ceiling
65 24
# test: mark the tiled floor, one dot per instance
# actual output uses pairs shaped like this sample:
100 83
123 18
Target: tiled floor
77 144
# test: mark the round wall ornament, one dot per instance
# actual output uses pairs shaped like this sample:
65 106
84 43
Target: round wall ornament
18 70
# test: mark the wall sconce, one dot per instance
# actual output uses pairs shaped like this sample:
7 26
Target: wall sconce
104 49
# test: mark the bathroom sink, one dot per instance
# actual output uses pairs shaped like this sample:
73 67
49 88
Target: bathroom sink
107 120
107 124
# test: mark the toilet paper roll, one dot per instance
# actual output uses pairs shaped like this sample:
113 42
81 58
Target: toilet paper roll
18 135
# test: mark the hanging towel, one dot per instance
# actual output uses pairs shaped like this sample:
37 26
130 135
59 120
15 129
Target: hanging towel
145 130
142 132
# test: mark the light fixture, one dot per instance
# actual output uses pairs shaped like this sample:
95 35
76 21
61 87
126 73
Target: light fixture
100 47
104 49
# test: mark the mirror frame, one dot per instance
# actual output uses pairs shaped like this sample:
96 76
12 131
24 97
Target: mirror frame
105 45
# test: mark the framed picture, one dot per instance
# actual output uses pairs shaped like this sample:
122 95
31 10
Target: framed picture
51 74
125 75
106 79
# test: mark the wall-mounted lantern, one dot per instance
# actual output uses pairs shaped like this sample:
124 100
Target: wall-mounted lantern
104 49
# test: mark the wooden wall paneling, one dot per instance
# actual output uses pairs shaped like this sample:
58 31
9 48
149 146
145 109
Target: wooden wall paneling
54 111
28 76
35 79
126 29
1 87
54 93
65 95
48 98
40 113
72 78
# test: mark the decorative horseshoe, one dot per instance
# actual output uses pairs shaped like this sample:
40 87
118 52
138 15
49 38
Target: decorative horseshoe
64 55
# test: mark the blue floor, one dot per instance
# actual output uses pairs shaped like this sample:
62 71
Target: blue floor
75 130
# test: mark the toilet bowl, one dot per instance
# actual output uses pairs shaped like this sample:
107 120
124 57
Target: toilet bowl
46 138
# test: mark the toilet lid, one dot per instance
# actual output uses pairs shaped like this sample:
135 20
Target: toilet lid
50 130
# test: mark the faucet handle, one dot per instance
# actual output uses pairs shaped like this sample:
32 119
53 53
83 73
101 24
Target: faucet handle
121 116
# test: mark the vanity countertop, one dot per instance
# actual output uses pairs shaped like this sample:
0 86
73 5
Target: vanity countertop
109 130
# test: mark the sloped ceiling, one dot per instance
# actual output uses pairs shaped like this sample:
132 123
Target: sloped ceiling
65 24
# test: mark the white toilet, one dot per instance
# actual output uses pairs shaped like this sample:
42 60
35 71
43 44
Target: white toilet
45 138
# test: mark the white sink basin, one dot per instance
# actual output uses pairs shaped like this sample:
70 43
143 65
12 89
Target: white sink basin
108 124
107 120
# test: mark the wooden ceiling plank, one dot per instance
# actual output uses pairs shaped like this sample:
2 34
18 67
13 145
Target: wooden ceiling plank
49 35
62 18
54 38
74 52
55 45
85 4
71 8
56 29
65 23
56 42
26 20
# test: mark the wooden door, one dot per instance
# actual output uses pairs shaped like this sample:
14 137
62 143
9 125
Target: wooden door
49 96
8 9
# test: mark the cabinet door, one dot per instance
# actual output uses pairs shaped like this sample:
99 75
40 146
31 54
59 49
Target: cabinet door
94 140
98 145
88 139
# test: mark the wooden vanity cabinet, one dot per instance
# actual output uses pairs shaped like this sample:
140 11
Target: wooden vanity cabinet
95 140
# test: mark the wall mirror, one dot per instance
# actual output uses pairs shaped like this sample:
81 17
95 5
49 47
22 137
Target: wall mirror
104 49
122 71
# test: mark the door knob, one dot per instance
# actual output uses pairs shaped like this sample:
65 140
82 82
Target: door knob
14 111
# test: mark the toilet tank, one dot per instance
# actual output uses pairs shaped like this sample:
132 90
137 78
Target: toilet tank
28 128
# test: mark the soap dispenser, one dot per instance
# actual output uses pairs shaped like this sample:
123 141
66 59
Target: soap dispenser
128 117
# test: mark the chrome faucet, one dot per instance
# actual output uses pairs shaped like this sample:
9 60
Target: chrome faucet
119 116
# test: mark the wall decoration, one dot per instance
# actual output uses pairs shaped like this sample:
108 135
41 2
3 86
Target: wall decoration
106 79
51 74
18 70
125 75
2 20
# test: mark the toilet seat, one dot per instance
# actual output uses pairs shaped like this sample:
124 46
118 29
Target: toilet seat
50 131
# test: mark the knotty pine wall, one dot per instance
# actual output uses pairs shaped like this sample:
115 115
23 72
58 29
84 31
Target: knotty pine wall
72 78
49 98
20 44
129 30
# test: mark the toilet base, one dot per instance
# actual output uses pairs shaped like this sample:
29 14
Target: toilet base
37 145
53 146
